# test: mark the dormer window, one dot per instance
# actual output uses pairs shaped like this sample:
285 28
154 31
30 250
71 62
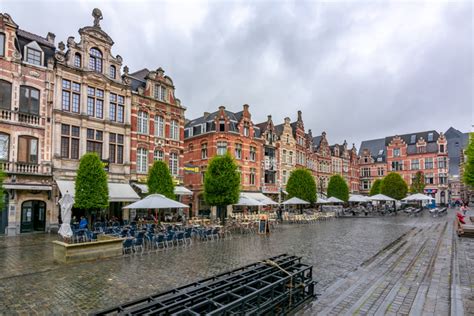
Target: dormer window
160 92
95 60
430 137
222 126
412 139
33 56
246 129
77 60
112 72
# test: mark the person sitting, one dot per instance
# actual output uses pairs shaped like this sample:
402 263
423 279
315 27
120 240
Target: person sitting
83 223
461 218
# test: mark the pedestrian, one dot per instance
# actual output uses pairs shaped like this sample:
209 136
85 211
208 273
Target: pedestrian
83 223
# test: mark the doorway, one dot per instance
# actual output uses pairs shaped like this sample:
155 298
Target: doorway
4 214
33 216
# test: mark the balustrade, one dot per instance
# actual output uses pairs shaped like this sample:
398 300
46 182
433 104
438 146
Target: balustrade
17 117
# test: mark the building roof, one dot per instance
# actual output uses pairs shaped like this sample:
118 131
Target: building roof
376 147
279 129
25 38
34 37
457 141
407 138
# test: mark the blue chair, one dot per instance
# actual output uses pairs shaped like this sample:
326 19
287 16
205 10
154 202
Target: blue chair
138 244
180 238
169 239
127 246
159 240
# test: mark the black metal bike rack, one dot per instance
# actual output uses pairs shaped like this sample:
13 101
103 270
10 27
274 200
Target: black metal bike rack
275 286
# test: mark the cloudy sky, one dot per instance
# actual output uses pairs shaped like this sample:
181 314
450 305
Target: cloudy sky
357 70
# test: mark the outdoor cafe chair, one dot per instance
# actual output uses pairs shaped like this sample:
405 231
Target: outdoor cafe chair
138 244
158 240
127 246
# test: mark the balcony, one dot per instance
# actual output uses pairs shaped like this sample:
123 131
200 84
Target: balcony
10 167
270 163
18 117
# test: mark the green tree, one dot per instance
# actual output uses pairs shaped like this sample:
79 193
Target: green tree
338 188
92 192
394 186
468 171
301 184
160 180
222 183
418 183
2 199
375 189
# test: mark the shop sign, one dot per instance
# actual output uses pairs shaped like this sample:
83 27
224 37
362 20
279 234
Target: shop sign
191 169
270 189
431 191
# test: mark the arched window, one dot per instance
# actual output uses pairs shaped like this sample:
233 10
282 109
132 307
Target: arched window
173 164
113 72
159 155
4 146
5 95
95 60
27 149
77 60
142 122
174 130
159 126
142 160
29 100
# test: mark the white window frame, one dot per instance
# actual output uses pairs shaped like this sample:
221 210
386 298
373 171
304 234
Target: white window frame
174 130
174 163
159 126
158 155
142 122
142 160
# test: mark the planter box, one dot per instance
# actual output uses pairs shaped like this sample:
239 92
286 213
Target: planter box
104 247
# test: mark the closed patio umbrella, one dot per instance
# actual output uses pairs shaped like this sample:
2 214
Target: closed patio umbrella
155 201
66 203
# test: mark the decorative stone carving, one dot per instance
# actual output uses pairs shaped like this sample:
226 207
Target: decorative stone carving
70 42
119 59
34 74
61 46
160 72
97 14
126 70
59 56
126 80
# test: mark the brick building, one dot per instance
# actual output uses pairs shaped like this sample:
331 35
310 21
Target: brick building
92 113
26 86
215 134
324 162
407 154
157 124
286 146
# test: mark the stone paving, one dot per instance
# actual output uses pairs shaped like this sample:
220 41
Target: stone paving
364 266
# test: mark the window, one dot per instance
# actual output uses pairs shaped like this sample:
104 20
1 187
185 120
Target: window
221 148
429 179
365 172
71 96
221 126
33 56
203 151
441 148
238 151
421 149
2 44
27 149
429 163
173 163
4 146
252 176
174 130
253 153
269 177
443 178
186 132
95 60
290 158
116 108
77 60
415 164
116 148
29 100
442 162
380 152
380 171
246 129
142 160
158 155
412 139
430 137
142 122
397 165
70 141
159 126
284 177
283 156
396 152
365 185
94 141
112 72
160 92
5 95
95 102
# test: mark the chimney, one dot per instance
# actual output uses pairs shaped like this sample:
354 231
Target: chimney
299 116
206 114
287 120
222 108
50 37
246 107
269 118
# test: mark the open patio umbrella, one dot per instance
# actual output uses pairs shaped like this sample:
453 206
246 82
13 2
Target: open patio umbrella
418 197
247 201
155 201
295 201
357 198
333 199
321 201
66 203
380 197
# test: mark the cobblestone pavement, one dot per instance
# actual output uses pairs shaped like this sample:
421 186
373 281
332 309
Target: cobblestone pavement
427 271
348 263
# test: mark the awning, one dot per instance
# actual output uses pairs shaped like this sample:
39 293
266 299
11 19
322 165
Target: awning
118 192
178 190
259 197
32 187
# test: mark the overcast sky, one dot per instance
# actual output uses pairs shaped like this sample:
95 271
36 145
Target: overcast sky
357 70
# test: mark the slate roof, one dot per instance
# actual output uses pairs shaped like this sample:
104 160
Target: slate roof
34 37
457 141
138 78
407 137
24 38
374 146
317 141
279 129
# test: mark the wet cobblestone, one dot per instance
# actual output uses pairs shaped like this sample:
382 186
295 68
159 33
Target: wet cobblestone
31 282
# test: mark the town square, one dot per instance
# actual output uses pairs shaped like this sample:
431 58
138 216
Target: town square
236 158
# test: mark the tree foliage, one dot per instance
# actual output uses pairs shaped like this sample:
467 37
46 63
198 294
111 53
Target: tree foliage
394 186
418 183
301 184
160 180
468 172
338 188
375 189
222 181
92 191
